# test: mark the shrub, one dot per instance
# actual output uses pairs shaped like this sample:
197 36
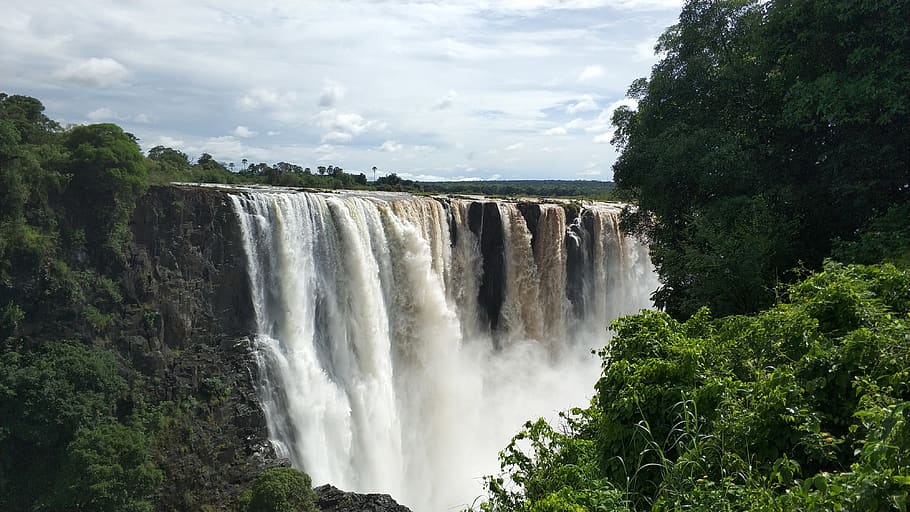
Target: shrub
282 490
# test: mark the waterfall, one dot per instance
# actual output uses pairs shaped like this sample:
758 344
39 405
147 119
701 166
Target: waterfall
402 340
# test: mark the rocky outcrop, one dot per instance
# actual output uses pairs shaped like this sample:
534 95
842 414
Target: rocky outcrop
188 263
485 222
332 499
579 248
187 327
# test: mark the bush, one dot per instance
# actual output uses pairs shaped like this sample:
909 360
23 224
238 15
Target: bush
804 406
282 490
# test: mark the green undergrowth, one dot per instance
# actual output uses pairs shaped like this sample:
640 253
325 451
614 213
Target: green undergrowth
804 406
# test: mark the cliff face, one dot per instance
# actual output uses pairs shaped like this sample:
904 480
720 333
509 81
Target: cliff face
485 222
188 323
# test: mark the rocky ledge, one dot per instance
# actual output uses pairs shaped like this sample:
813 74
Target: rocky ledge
332 499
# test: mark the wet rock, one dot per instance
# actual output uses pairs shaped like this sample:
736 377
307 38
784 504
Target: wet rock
188 328
332 499
485 222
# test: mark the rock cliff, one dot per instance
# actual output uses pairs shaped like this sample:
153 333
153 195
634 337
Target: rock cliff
186 328
331 499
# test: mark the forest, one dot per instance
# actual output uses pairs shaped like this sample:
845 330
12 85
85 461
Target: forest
768 159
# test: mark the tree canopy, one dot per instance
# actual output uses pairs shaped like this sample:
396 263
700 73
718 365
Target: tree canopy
767 132
802 407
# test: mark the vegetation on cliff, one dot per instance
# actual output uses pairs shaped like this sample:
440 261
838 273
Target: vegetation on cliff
804 406
94 413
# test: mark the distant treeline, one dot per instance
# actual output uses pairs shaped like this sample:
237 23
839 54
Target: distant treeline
548 188
169 165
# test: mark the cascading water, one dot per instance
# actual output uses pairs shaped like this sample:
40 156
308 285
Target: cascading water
403 340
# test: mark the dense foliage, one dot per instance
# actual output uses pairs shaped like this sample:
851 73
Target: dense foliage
280 490
767 132
804 406
66 442
80 427
71 433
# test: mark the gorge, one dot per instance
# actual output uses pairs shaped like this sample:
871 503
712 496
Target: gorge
400 341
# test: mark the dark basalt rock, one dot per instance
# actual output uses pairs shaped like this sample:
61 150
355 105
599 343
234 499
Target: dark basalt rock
485 222
187 260
188 322
332 499
579 248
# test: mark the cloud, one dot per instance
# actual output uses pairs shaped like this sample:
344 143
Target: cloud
390 146
585 104
103 114
226 146
438 177
244 132
106 114
169 142
332 93
515 147
446 101
543 5
590 73
267 98
591 169
335 137
94 72
344 126
645 49
564 129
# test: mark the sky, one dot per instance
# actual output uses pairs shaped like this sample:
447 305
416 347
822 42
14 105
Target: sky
428 89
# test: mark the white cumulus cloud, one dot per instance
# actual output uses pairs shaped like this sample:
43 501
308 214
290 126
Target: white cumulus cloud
344 126
107 114
244 132
585 104
591 72
95 72
103 114
390 146
267 98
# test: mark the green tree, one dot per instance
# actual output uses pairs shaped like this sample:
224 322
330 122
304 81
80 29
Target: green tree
107 469
804 406
46 397
281 490
170 158
108 176
767 131
29 182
